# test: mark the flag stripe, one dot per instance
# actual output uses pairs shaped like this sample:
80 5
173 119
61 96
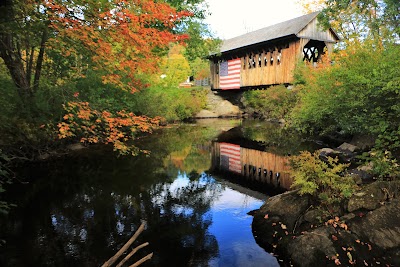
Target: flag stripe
230 157
230 74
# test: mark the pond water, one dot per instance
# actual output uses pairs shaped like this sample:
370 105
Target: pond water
78 210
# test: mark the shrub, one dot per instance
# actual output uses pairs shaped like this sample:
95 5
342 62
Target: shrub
358 94
273 103
170 103
322 180
384 165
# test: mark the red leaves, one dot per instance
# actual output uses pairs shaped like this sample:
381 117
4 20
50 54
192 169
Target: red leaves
120 36
94 126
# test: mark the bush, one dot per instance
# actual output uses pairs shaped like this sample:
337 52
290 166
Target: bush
273 103
173 104
322 180
358 94
384 165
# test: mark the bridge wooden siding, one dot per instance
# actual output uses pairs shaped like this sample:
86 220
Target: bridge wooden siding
271 73
269 55
259 166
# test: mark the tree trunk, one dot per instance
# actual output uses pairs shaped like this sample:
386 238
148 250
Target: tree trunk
39 61
14 63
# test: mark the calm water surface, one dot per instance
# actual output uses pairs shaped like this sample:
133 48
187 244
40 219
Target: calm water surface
80 209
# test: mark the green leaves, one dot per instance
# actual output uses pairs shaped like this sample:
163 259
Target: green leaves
273 103
359 94
322 180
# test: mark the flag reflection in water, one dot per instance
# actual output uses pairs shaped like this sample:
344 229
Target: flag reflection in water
230 157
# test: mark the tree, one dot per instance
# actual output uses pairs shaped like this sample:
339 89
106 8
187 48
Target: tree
174 68
376 20
23 37
123 37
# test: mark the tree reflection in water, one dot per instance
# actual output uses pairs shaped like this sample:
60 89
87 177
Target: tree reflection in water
77 211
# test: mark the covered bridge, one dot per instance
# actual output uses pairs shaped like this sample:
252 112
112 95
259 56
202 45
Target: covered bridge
268 56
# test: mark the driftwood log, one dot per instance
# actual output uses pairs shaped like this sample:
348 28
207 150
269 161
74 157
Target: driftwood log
117 255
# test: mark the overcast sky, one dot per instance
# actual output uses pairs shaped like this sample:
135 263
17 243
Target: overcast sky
232 18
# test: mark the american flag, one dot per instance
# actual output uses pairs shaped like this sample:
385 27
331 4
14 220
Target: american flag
230 159
229 74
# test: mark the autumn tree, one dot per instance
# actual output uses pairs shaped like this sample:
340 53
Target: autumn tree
174 68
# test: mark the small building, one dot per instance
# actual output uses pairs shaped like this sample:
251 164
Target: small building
268 56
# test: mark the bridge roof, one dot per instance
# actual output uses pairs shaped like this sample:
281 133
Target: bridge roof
284 29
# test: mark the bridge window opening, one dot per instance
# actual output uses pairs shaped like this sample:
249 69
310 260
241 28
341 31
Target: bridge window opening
279 57
271 60
265 60
244 62
313 50
278 180
250 60
253 62
259 59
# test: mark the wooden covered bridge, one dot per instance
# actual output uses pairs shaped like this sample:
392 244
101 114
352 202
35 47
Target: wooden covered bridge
268 56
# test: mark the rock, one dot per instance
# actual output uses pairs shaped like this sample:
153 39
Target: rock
345 156
348 147
366 168
364 142
313 216
360 175
206 114
226 109
347 217
326 152
372 196
380 227
312 248
77 146
287 207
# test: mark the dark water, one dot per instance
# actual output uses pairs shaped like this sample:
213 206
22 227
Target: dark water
79 209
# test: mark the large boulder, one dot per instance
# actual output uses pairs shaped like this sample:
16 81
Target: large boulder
314 248
227 109
373 195
380 227
287 207
348 147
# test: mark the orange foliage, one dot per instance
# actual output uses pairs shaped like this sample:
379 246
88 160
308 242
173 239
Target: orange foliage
121 36
92 126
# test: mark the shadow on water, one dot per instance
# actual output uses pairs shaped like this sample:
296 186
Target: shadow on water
78 210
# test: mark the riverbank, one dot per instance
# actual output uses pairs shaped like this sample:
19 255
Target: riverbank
363 231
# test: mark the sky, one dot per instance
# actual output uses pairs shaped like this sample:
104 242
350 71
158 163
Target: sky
231 18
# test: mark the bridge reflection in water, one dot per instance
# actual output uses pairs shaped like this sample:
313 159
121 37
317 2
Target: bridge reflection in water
251 164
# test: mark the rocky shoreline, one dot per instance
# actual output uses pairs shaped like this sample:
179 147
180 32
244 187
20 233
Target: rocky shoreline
364 231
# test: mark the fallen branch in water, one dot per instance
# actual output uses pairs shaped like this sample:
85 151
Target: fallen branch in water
114 258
